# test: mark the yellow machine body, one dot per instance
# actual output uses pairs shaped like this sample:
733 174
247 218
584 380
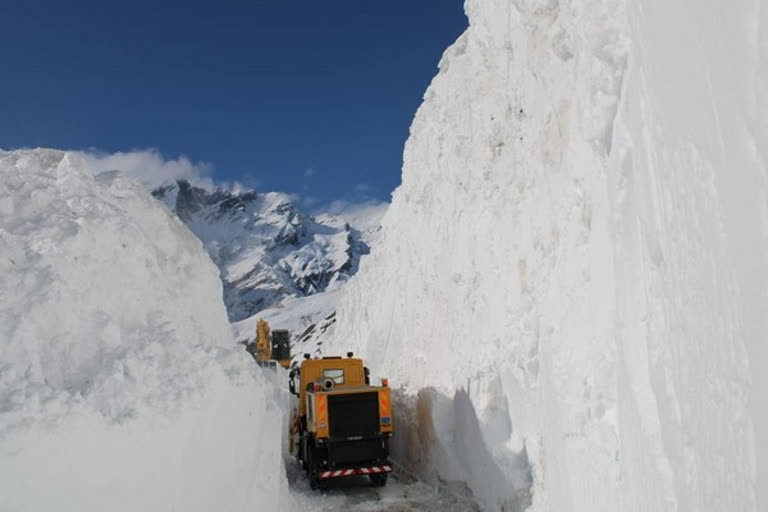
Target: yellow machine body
341 423
268 349
327 377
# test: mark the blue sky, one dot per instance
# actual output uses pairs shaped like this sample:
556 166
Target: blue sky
308 97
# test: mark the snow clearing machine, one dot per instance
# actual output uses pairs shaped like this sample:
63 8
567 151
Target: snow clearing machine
342 422
271 348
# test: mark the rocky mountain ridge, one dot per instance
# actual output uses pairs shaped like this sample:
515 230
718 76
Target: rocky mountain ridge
267 249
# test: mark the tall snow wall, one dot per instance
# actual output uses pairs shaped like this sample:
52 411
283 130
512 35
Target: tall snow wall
120 387
570 287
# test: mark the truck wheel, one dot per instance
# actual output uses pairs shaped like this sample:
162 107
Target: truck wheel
309 457
315 482
379 480
303 453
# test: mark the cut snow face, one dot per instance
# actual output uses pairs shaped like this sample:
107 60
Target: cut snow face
120 387
569 285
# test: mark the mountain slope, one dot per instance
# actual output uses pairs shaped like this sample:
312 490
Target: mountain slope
266 248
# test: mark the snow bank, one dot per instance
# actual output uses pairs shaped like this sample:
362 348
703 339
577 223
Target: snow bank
570 283
120 387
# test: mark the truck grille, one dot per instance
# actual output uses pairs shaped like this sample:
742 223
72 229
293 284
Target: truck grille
354 414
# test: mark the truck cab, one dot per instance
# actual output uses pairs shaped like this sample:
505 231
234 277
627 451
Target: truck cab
343 423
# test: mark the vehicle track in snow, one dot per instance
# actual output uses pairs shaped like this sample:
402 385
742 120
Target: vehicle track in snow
403 493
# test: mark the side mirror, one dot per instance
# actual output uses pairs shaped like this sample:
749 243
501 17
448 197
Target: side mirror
292 383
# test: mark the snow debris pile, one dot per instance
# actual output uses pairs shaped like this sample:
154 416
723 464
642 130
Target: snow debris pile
120 385
570 282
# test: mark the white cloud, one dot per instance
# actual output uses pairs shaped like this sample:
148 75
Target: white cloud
309 172
308 201
362 215
362 187
151 168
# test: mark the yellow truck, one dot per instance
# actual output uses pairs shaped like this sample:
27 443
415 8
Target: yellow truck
342 422
271 347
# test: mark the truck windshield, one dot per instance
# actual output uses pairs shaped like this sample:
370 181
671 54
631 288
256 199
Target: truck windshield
336 375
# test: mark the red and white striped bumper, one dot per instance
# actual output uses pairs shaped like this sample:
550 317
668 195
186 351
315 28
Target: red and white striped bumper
372 470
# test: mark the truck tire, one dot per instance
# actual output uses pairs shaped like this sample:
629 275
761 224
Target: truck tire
379 480
302 455
315 482
309 455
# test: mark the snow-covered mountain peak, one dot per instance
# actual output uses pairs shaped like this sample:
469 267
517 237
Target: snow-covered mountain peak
267 248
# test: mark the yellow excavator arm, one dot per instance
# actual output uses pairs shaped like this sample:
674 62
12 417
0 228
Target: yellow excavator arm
271 347
263 341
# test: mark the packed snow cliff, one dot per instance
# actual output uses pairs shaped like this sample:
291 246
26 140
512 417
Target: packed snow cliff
120 385
570 282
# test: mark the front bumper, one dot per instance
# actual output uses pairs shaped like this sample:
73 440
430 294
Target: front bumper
367 470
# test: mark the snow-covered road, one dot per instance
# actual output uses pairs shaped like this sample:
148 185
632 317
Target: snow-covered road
402 493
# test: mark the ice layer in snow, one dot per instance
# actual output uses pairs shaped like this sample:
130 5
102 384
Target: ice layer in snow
120 385
570 283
